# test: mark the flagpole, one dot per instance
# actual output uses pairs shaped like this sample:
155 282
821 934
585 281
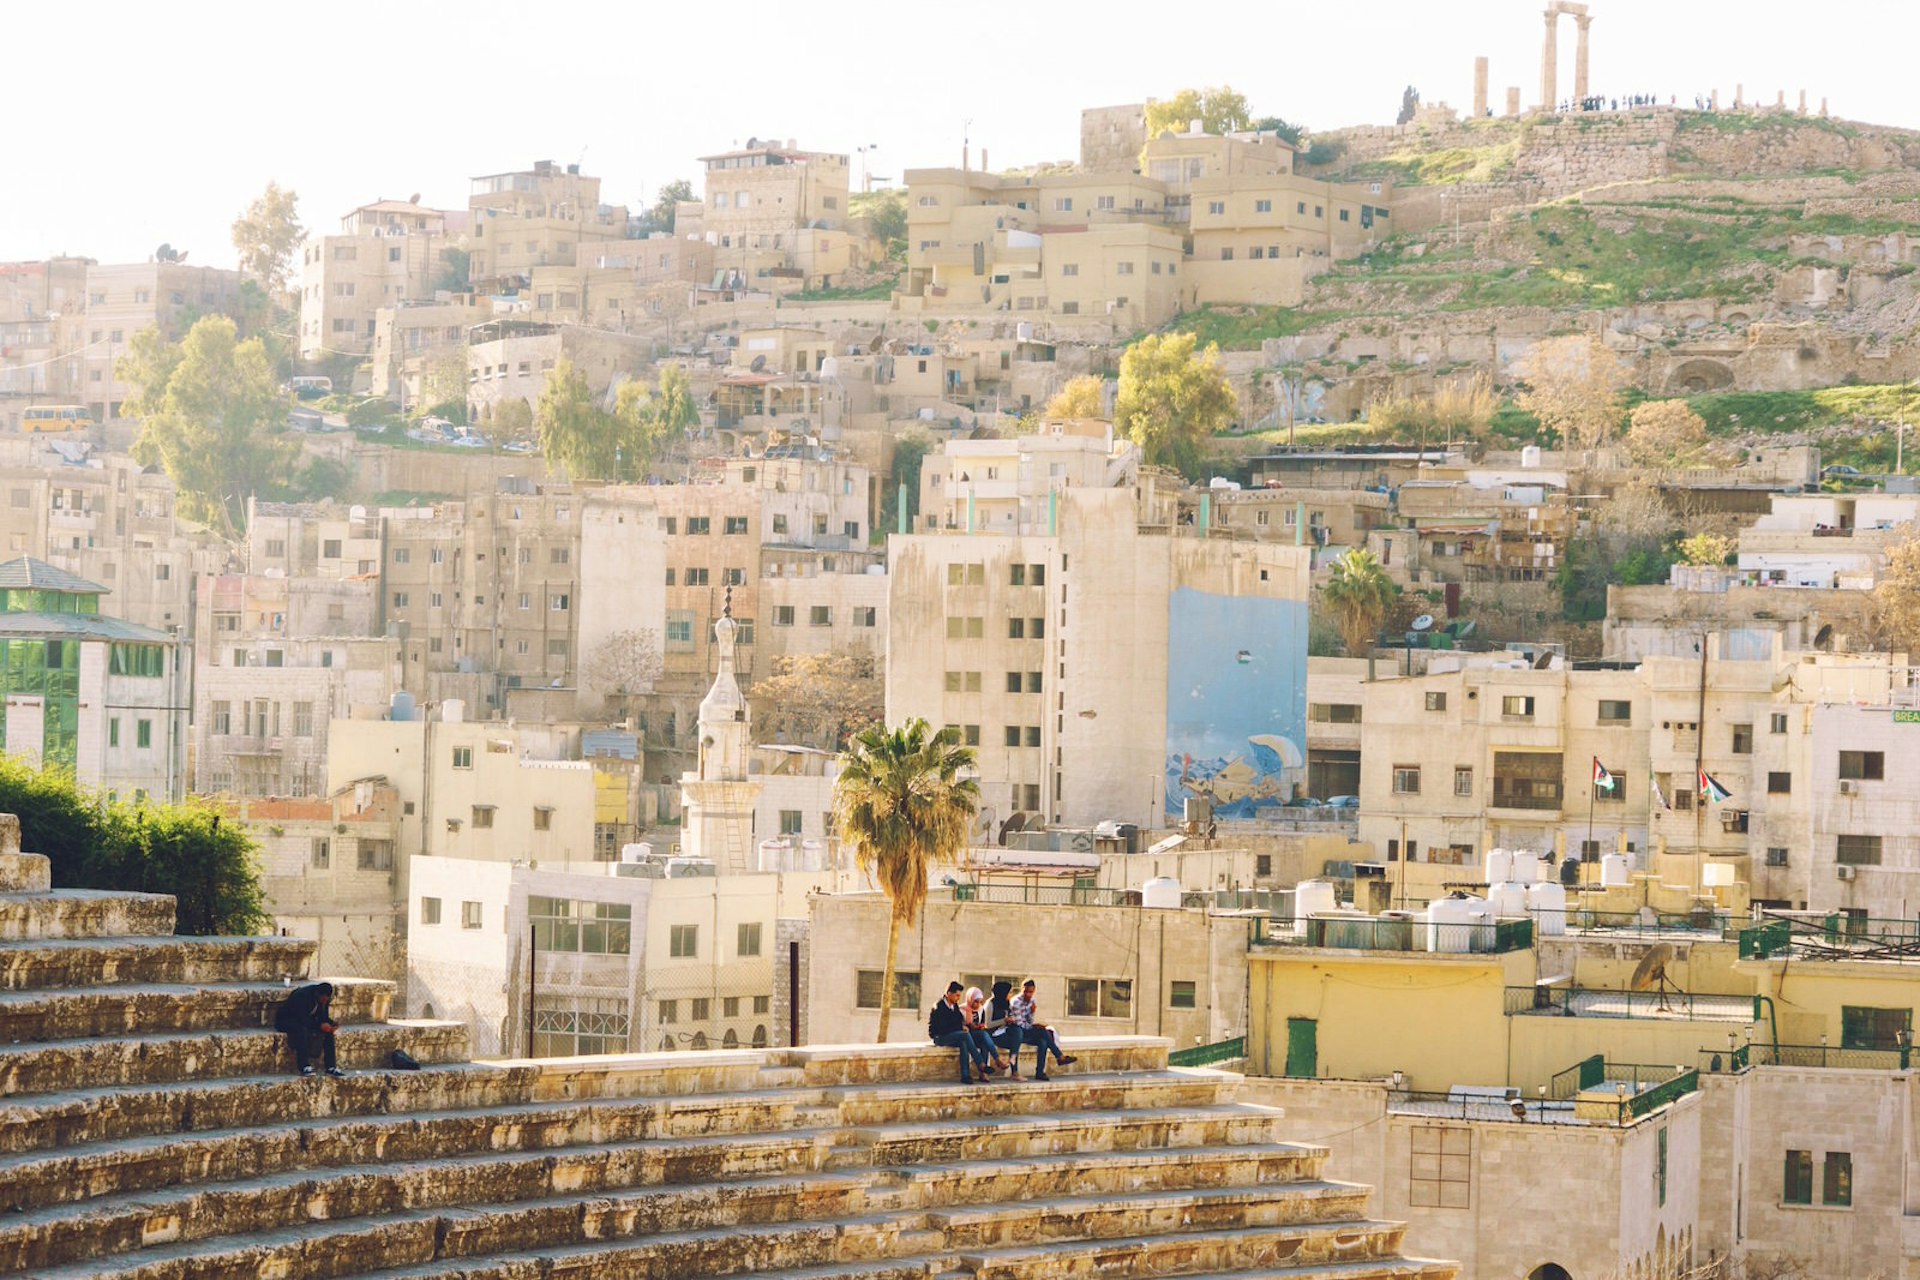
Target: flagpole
1592 787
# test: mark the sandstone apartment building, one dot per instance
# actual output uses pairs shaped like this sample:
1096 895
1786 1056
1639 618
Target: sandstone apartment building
387 253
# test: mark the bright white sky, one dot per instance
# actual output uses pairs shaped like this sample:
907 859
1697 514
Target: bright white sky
138 123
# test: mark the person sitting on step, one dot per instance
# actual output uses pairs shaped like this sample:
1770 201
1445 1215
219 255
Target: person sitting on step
980 1028
947 1027
1022 1009
306 1017
1008 1035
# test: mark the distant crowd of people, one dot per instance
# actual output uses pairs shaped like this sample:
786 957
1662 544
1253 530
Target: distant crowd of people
1601 102
989 1034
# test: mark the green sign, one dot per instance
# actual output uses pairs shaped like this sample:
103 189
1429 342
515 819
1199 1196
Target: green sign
1906 717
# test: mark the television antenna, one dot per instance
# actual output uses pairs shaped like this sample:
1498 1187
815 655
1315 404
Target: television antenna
1651 974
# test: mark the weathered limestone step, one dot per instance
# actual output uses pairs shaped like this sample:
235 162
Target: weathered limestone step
1106 1091
40 1180
69 1120
22 872
1046 1134
158 1007
84 913
54 962
1032 1221
882 1063
84 1064
1391 1269
1186 1253
94 1228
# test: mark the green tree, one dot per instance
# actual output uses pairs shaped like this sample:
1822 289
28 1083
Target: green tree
218 426
575 432
901 803
1219 110
661 215
909 454
455 270
1171 399
146 367
1274 124
1706 548
1359 595
211 866
886 214
1080 398
266 235
1573 388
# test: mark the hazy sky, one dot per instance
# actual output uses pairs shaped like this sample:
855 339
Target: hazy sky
135 124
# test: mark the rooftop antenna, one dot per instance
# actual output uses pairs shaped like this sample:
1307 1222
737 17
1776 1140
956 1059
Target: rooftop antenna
966 136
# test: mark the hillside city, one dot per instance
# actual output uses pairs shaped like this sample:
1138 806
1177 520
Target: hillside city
1417 619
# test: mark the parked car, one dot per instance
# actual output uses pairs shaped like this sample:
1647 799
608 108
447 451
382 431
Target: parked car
1840 471
1343 802
1305 802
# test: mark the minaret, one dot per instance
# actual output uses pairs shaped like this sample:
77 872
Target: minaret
717 797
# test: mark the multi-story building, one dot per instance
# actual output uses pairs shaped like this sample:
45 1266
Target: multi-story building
387 252
42 304
124 299
771 213
327 871
98 695
1105 662
409 339
536 217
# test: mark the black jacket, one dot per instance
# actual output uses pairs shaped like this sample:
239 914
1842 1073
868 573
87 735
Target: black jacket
306 1009
944 1020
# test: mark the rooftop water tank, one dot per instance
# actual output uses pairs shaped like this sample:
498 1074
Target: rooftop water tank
1716 874
1499 866
1547 901
1509 899
1161 892
1613 870
400 706
812 857
1526 867
1448 921
1312 897
774 855
1023 331
453 710
639 852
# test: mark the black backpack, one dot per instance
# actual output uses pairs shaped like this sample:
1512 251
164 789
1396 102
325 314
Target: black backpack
404 1061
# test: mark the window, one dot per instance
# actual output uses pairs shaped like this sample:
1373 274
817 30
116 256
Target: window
1263 206
1517 706
1099 997
735 525
482 816
558 602
1779 783
469 915
1462 780
783 615
320 853
702 1011
1123 269
747 940
1346 215
967 628
1063 204
143 734
1436 702
429 911
1440 1167
696 577
1836 1179
1615 711
1406 780
669 1012
402 555
1857 851
1743 739
866 616
820 615
680 632
375 855
113 732
762 1004
963 682
1016 628
1776 857
588 928
1334 712
906 989
1867 1028
303 719
684 941
699 524
542 818
1181 995
1779 722
1797 1183
1868 766
970 735
790 822
1660 1174
463 757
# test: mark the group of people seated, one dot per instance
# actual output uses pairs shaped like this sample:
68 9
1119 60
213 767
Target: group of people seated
989 1034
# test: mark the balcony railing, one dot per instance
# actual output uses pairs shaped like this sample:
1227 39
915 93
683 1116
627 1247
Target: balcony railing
1583 1002
1639 1088
1741 1057
1368 933
1207 1054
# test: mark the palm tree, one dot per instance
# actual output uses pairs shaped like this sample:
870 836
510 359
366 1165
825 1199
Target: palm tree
901 803
1359 596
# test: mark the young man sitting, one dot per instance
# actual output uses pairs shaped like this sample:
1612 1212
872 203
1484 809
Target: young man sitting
1021 1009
947 1027
307 1016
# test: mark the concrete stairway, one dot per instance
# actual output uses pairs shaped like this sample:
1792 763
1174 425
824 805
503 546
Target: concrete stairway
150 1127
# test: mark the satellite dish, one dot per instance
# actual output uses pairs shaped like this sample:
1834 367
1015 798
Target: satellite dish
1423 623
759 363
414 198
1651 973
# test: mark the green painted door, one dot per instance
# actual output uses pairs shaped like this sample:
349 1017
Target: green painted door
1303 1047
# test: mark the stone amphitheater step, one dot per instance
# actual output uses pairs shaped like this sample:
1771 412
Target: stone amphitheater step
21 872
84 913
752 1226
157 1007
94 962
939 1141
56 1065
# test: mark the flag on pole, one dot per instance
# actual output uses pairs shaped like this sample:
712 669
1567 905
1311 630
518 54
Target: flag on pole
1659 796
1711 792
1601 778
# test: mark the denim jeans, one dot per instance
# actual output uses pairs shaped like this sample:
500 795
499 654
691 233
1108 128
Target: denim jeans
970 1052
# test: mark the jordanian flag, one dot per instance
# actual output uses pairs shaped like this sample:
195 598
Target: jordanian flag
1601 778
1711 792
1659 796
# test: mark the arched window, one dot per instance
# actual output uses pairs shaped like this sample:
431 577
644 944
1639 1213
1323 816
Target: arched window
731 1040
1549 1271
760 1036
666 1043
699 1040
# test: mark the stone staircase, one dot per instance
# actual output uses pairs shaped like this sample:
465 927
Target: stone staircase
151 1127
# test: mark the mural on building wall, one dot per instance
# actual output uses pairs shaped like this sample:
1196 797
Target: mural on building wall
1236 702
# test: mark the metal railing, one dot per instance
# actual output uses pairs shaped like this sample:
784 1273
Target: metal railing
1646 922
1644 1103
1207 1054
1741 1057
1398 933
1047 895
1639 1088
1573 1002
1832 936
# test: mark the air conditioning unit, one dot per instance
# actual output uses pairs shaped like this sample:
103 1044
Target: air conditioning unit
1843 872
1849 788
